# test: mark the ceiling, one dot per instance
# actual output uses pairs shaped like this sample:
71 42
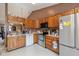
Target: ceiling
21 9
25 9
42 5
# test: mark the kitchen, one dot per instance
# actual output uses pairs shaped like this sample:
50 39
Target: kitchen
50 26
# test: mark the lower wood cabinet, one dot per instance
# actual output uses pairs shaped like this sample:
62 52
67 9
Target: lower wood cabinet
14 42
52 43
35 38
55 44
21 41
11 43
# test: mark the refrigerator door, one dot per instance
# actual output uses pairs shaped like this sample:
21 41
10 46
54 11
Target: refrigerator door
67 30
77 30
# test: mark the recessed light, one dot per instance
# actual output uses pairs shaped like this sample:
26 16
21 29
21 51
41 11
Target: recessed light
33 3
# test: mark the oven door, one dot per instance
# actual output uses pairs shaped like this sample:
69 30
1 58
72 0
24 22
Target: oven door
40 38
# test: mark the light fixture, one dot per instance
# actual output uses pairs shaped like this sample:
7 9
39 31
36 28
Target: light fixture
33 3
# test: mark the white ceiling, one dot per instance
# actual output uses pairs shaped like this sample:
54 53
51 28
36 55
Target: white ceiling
42 5
21 9
25 9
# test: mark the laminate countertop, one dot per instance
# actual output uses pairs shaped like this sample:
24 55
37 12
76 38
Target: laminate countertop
15 35
53 36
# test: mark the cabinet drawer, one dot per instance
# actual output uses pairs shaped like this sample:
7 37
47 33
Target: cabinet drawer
48 40
47 37
55 50
49 43
48 46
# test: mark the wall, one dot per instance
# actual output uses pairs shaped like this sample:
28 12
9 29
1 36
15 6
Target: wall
49 11
1 25
2 13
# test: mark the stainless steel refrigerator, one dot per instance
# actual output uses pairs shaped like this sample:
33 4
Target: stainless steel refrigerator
67 30
77 30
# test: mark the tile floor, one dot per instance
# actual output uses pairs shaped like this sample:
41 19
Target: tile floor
34 50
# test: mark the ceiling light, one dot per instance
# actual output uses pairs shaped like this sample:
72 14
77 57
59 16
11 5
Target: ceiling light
33 2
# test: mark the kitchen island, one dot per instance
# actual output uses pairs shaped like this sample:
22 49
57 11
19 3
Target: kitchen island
15 41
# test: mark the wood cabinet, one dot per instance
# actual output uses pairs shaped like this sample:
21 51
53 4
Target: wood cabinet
37 24
15 20
53 21
21 41
35 38
48 42
29 23
12 19
14 42
55 42
20 20
68 12
11 43
52 42
76 10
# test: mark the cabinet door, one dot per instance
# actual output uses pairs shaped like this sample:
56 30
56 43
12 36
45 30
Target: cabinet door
21 41
55 44
53 21
50 22
11 43
35 38
12 19
20 20
37 24
29 23
48 42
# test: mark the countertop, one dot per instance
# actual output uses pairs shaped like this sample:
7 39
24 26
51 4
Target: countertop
53 36
9 35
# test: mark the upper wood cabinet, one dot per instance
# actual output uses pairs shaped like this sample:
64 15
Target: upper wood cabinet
43 20
53 21
36 24
68 12
12 19
15 20
21 20
76 10
29 23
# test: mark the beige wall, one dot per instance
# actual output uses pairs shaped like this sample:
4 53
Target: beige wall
2 13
